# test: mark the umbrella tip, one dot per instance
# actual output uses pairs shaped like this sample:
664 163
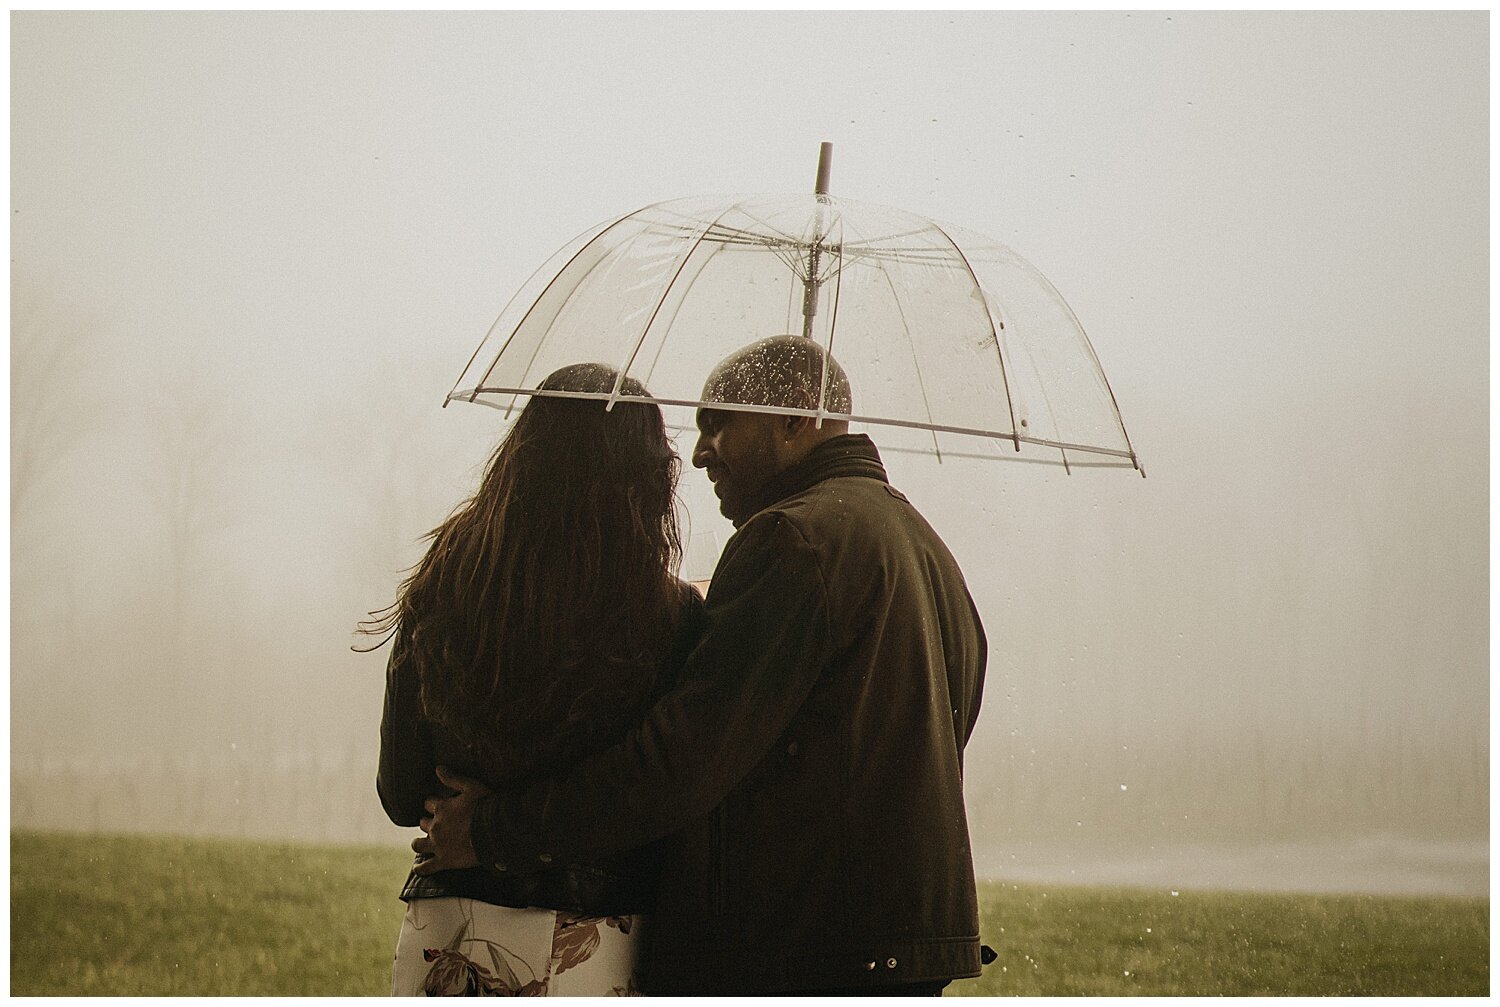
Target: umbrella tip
825 167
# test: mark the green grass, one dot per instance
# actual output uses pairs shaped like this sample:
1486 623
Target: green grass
106 915
142 915
1062 941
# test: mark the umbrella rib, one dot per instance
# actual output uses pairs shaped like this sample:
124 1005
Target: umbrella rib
765 225
752 237
574 258
667 290
746 240
759 237
1094 357
775 239
884 421
995 332
913 253
898 234
663 344
833 324
791 293
916 363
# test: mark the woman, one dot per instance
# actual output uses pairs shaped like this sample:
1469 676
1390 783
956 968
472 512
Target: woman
542 622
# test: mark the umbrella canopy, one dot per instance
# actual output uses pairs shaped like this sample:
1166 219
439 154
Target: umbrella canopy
946 335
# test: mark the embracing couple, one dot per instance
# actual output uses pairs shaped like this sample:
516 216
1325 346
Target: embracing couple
625 788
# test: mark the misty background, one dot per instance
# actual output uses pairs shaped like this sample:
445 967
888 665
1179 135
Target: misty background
251 252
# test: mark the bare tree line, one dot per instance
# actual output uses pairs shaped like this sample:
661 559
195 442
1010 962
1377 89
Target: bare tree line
1403 784
135 528
183 641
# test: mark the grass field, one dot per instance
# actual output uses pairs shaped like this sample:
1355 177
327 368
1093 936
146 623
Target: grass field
135 915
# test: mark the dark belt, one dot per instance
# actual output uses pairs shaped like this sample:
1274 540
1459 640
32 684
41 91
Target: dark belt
579 888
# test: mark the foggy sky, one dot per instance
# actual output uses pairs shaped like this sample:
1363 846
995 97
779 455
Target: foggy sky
251 252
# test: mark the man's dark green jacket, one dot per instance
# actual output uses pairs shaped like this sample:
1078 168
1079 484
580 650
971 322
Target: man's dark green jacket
809 760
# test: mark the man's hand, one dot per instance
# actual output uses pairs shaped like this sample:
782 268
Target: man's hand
448 843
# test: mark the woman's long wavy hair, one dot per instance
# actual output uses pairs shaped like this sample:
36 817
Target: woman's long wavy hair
546 602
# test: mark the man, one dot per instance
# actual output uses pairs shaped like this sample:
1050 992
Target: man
806 768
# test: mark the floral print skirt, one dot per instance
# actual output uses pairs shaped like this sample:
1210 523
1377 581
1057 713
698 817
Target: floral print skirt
454 946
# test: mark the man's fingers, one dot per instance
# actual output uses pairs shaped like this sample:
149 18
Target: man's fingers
430 805
425 823
426 852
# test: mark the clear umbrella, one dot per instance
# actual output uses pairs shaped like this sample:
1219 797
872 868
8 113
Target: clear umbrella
949 338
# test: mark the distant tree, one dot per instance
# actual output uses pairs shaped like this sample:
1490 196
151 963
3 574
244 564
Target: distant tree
51 343
189 608
187 482
402 485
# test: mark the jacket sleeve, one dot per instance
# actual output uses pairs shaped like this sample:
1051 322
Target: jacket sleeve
405 777
976 694
766 640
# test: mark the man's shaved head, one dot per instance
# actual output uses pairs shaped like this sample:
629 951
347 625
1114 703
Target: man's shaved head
782 371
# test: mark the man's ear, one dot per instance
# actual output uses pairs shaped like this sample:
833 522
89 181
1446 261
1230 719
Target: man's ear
793 427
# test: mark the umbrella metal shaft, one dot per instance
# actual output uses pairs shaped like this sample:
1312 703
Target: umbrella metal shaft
820 189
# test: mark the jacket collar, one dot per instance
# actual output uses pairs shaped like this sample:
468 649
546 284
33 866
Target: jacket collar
848 455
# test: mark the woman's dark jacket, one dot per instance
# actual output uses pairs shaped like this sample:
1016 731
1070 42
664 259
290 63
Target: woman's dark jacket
608 884
809 760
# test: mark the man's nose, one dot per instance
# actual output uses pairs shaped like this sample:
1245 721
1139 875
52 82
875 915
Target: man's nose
702 450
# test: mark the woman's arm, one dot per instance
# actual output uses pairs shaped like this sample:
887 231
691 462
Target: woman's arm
406 776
